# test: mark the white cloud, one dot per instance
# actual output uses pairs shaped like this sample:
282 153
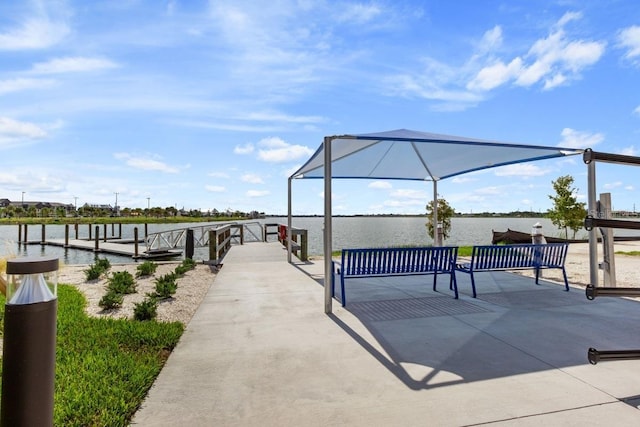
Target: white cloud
34 33
72 65
558 59
554 60
409 194
278 151
496 75
576 139
215 188
629 39
462 179
252 178
222 175
629 151
13 132
637 110
244 149
257 193
145 163
20 84
612 185
383 185
359 13
629 188
520 169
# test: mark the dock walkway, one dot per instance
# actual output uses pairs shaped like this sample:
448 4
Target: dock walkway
261 352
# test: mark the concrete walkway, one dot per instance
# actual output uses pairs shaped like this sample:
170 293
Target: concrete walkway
261 352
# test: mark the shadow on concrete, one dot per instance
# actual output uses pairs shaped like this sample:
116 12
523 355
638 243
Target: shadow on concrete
428 339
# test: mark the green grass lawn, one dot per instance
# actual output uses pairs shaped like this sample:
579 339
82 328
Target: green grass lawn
104 367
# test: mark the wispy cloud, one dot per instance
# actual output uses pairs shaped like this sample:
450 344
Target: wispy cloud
275 150
521 169
42 26
572 138
244 149
72 65
13 132
145 163
553 60
257 193
629 39
215 188
21 84
381 185
252 178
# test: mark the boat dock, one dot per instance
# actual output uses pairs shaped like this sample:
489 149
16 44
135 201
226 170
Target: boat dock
260 351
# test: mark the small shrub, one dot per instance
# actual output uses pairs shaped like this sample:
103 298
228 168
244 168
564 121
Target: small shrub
147 268
103 263
96 270
180 270
122 282
146 310
111 300
93 272
166 286
189 263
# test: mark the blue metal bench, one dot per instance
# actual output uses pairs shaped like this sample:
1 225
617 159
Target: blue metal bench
516 257
398 262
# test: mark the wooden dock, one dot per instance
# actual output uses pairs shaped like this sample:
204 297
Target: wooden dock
125 247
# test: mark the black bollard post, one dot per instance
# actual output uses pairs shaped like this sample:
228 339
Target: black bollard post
189 244
28 363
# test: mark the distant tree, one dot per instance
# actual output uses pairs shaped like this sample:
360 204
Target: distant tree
445 213
567 213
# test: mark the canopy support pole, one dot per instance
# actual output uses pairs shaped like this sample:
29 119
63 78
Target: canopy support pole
328 233
289 221
436 235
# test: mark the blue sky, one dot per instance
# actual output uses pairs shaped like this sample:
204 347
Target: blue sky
203 105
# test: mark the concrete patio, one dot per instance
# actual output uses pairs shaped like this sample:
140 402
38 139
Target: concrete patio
261 351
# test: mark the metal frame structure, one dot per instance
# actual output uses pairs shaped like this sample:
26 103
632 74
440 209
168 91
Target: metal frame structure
591 223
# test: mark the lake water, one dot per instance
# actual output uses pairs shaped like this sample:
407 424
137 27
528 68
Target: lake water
347 232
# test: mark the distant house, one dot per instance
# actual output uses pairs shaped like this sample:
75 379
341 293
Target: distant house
53 206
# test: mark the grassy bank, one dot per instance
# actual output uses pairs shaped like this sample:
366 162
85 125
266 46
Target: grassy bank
104 367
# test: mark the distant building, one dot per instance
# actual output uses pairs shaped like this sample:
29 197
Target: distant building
68 207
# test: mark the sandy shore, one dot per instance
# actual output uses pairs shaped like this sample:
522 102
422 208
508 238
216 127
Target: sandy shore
627 267
191 290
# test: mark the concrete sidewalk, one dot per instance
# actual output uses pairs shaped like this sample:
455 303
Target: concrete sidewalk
261 352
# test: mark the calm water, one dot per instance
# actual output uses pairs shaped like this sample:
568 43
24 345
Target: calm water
347 232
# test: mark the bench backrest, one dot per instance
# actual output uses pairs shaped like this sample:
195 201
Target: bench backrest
519 256
362 262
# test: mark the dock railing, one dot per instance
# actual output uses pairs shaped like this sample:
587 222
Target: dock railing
299 239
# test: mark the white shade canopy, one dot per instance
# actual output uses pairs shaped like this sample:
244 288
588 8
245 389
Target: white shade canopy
409 155
423 156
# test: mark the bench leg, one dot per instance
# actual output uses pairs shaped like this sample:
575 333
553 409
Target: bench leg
566 281
435 280
453 282
473 285
343 297
537 275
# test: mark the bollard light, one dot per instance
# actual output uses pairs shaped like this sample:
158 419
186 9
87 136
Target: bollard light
32 280
28 363
536 233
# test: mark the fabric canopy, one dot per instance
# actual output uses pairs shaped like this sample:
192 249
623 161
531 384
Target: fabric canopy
412 155
408 155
